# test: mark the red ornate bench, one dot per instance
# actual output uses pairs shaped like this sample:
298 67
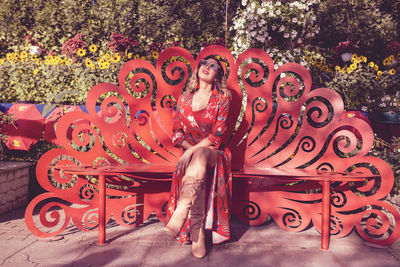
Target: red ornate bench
293 153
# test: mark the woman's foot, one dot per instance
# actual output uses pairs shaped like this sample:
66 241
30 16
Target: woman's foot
199 247
178 218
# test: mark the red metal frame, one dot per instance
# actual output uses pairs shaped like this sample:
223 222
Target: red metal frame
284 125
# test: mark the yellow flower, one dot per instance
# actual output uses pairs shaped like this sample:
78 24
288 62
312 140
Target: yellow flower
104 65
58 60
143 57
391 57
371 64
81 52
107 56
337 68
130 55
116 58
379 73
137 56
131 75
376 67
354 57
93 48
88 63
10 57
353 66
349 70
2 61
386 61
37 61
364 59
392 71
155 55
68 61
23 54
35 71
173 58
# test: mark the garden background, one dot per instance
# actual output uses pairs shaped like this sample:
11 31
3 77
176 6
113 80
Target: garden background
53 52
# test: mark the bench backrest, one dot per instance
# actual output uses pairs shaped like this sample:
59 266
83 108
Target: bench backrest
283 121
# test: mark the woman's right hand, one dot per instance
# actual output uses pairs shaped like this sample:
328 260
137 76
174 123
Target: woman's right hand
184 160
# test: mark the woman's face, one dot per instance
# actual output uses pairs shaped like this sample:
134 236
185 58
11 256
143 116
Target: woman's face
208 70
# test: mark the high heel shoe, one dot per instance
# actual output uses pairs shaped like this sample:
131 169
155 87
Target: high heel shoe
199 246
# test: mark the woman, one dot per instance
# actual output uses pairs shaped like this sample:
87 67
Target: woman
200 194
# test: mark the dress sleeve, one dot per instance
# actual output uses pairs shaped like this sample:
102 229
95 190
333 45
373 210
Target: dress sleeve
219 128
178 132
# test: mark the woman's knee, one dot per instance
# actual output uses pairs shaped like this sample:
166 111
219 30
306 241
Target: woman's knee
199 162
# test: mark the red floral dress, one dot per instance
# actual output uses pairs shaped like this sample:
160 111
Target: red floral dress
193 127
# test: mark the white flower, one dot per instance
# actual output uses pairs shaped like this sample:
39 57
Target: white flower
260 11
286 35
281 28
278 3
294 20
244 2
273 27
278 12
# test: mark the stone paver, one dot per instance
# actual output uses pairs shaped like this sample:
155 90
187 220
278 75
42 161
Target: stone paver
148 245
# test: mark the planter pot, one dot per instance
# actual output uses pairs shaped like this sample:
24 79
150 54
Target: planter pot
14 182
388 117
346 56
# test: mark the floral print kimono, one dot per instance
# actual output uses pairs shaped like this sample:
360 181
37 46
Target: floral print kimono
193 127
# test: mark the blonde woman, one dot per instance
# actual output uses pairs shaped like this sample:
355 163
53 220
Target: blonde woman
200 195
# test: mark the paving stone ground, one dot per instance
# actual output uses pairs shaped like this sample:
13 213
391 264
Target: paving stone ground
148 245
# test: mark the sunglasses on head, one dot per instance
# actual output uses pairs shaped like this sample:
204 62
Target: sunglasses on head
213 66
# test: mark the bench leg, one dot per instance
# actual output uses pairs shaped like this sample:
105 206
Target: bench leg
326 215
102 210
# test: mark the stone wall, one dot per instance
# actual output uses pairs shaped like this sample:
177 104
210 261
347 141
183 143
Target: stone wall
14 183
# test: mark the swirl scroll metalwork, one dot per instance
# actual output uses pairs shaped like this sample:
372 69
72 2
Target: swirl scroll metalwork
87 192
90 219
250 210
338 199
131 215
292 218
